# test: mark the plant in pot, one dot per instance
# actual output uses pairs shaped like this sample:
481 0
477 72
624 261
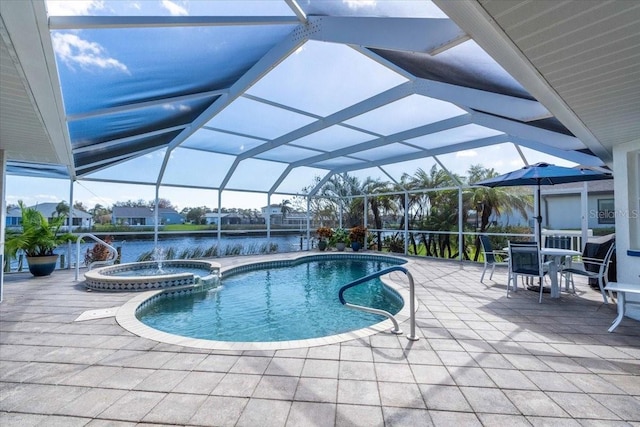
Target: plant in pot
98 252
340 238
324 235
38 239
357 235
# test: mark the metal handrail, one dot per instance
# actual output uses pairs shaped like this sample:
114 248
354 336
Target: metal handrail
412 322
112 252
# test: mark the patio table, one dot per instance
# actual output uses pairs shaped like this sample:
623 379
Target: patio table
622 289
557 254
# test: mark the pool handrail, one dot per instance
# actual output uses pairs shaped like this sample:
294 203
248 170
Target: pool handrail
412 336
113 253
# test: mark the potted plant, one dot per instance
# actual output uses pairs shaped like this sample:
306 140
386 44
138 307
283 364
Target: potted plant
340 238
38 239
324 235
99 252
357 235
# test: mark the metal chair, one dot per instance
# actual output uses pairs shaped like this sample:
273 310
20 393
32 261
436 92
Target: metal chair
525 260
593 268
491 257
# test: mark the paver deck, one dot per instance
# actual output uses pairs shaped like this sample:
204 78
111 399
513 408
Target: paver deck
482 359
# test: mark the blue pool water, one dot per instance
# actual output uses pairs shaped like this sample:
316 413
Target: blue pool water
155 271
278 304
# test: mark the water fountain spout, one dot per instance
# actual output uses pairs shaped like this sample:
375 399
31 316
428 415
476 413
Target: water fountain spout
159 257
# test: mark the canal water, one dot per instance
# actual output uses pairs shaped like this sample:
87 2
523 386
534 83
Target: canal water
131 250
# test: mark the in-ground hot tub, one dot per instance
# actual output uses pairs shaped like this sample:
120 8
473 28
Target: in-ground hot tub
150 275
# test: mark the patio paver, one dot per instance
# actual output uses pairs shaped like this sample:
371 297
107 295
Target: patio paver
482 359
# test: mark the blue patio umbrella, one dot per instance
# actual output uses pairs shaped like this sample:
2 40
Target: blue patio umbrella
544 174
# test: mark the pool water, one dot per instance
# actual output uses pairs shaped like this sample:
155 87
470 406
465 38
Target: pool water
278 304
155 271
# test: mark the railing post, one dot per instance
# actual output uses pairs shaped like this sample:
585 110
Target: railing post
412 316
412 306
113 251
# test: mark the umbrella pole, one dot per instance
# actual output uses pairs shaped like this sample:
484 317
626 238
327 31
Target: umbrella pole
539 217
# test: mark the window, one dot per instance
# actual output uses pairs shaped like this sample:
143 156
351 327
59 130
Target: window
606 211
634 205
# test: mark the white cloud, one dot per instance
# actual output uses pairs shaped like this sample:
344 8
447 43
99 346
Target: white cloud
73 8
73 50
467 153
360 4
174 9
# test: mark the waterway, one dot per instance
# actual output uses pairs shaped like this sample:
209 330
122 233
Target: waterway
131 250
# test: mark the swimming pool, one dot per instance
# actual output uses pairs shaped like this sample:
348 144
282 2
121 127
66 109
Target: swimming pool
289 302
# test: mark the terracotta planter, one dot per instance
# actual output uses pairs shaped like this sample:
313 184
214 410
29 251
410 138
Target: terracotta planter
42 265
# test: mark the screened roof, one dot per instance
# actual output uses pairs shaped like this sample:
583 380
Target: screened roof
262 95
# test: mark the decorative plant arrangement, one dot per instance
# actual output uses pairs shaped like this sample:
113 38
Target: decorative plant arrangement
98 252
324 234
39 238
357 235
340 238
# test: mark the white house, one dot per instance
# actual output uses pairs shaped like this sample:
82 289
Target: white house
561 205
293 219
80 218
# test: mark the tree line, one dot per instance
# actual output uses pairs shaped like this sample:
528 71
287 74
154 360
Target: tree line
431 204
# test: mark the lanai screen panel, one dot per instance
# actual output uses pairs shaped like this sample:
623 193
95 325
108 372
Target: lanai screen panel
125 124
380 154
299 178
196 168
407 113
143 169
343 105
391 8
450 137
502 158
333 138
248 117
221 142
395 171
168 8
287 154
125 66
534 156
257 175
323 78
466 65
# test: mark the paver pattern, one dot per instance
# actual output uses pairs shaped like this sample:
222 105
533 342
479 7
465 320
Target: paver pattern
482 359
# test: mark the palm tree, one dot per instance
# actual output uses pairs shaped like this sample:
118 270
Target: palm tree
433 210
285 208
495 200
62 209
340 188
378 204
